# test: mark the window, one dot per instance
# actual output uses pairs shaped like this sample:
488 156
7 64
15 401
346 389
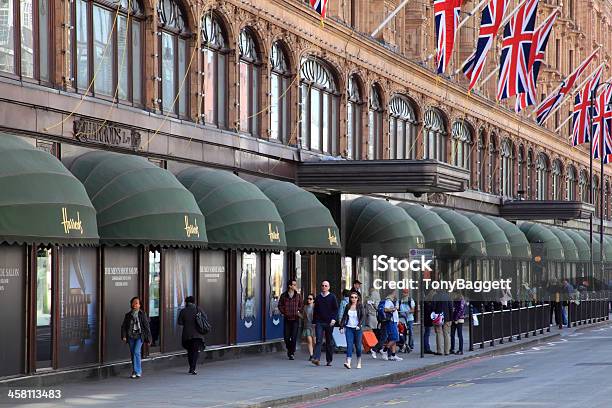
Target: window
402 129
507 169
480 167
584 187
173 51
24 38
106 51
434 140
596 193
461 141
249 68
570 183
214 73
353 120
520 172
607 201
530 188
556 180
279 95
542 177
493 174
319 108
375 124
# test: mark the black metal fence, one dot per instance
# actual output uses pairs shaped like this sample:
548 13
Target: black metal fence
588 311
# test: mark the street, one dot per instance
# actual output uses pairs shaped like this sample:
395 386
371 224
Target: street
571 371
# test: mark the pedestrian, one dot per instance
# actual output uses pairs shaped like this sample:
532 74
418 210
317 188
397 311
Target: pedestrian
135 331
457 324
357 288
427 322
352 322
345 301
383 318
568 295
406 313
191 339
307 331
324 319
371 306
392 332
290 306
443 305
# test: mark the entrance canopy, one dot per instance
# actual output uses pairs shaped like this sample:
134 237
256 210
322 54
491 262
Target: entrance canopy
40 200
519 245
309 225
438 235
584 253
470 242
496 240
569 248
596 245
139 203
238 214
539 234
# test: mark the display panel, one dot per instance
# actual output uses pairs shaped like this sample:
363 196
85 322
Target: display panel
212 296
12 310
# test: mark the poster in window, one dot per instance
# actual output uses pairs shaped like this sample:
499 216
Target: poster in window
213 294
12 310
249 296
178 284
78 308
275 286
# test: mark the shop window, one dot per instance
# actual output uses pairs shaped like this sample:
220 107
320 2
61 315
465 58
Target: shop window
276 283
353 120
402 129
214 70
154 296
108 48
249 71
249 313
178 284
434 139
280 105
12 310
213 294
25 33
375 125
44 307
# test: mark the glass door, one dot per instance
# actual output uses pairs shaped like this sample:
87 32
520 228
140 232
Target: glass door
44 308
154 299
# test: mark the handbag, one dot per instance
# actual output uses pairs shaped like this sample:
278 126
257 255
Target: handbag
437 319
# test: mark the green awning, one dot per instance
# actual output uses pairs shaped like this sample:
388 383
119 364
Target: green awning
569 248
596 244
496 242
438 235
607 247
584 253
238 214
40 200
309 225
470 242
519 245
139 203
377 227
539 234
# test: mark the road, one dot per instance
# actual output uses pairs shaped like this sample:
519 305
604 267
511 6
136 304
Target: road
572 371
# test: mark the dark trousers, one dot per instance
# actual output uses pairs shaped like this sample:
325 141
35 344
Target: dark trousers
555 309
321 329
382 338
457 327
193 352
291 334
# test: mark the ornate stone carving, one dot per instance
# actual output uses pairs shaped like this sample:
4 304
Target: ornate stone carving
437 198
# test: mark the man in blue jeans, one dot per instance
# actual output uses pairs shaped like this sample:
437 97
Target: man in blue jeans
324 318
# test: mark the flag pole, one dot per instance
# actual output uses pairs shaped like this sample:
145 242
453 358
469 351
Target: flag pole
471 14
564 122
484 81
389 17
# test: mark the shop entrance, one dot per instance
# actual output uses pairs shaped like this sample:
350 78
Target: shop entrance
44 307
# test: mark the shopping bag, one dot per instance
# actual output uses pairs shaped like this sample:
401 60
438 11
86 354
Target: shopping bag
339 338
368 340
475 321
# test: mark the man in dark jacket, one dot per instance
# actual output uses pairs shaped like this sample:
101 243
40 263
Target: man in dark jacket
192 339
427 322
290 306
442 303
324 319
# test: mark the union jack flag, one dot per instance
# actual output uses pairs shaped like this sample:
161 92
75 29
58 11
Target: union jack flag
516 49
447 19
553 100
602 121
320 6
536 58
582 108
490 21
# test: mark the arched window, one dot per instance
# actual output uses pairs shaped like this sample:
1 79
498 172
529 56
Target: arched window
434 140
570 183
583 184
109 51
493 172
214 71
596 190
402 129
353 119
507 169
607 201
173 58
556 180
520 171
480 163
375 124
250 83
542 177
319 110
530 178
461 141
279 94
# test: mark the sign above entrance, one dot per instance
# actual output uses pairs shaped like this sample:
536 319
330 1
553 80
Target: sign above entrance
417 253
108 134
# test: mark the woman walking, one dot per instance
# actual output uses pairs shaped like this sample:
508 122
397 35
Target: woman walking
457 326
192 340
135 331
307 331
353 319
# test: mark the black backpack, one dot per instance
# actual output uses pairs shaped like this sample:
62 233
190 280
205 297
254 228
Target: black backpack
202 324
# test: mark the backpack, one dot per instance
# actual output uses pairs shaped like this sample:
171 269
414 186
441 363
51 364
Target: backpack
381 315
202 324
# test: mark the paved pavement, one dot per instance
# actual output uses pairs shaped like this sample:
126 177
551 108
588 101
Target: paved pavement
570 371
249 381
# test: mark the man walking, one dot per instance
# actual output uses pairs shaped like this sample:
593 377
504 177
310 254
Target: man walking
324 319
290 306
442 304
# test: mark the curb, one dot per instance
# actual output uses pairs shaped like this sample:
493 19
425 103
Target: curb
399 376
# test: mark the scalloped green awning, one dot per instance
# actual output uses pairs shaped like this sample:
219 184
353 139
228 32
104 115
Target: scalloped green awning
139 203
496 241
519 245
40 200
377 227
584 253
596 245
537 233
569 248
309 225
470 242
437 233
238 215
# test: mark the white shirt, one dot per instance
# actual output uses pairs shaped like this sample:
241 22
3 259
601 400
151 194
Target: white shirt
390 305
353 320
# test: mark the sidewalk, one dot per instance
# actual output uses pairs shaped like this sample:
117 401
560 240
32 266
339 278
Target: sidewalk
263 380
